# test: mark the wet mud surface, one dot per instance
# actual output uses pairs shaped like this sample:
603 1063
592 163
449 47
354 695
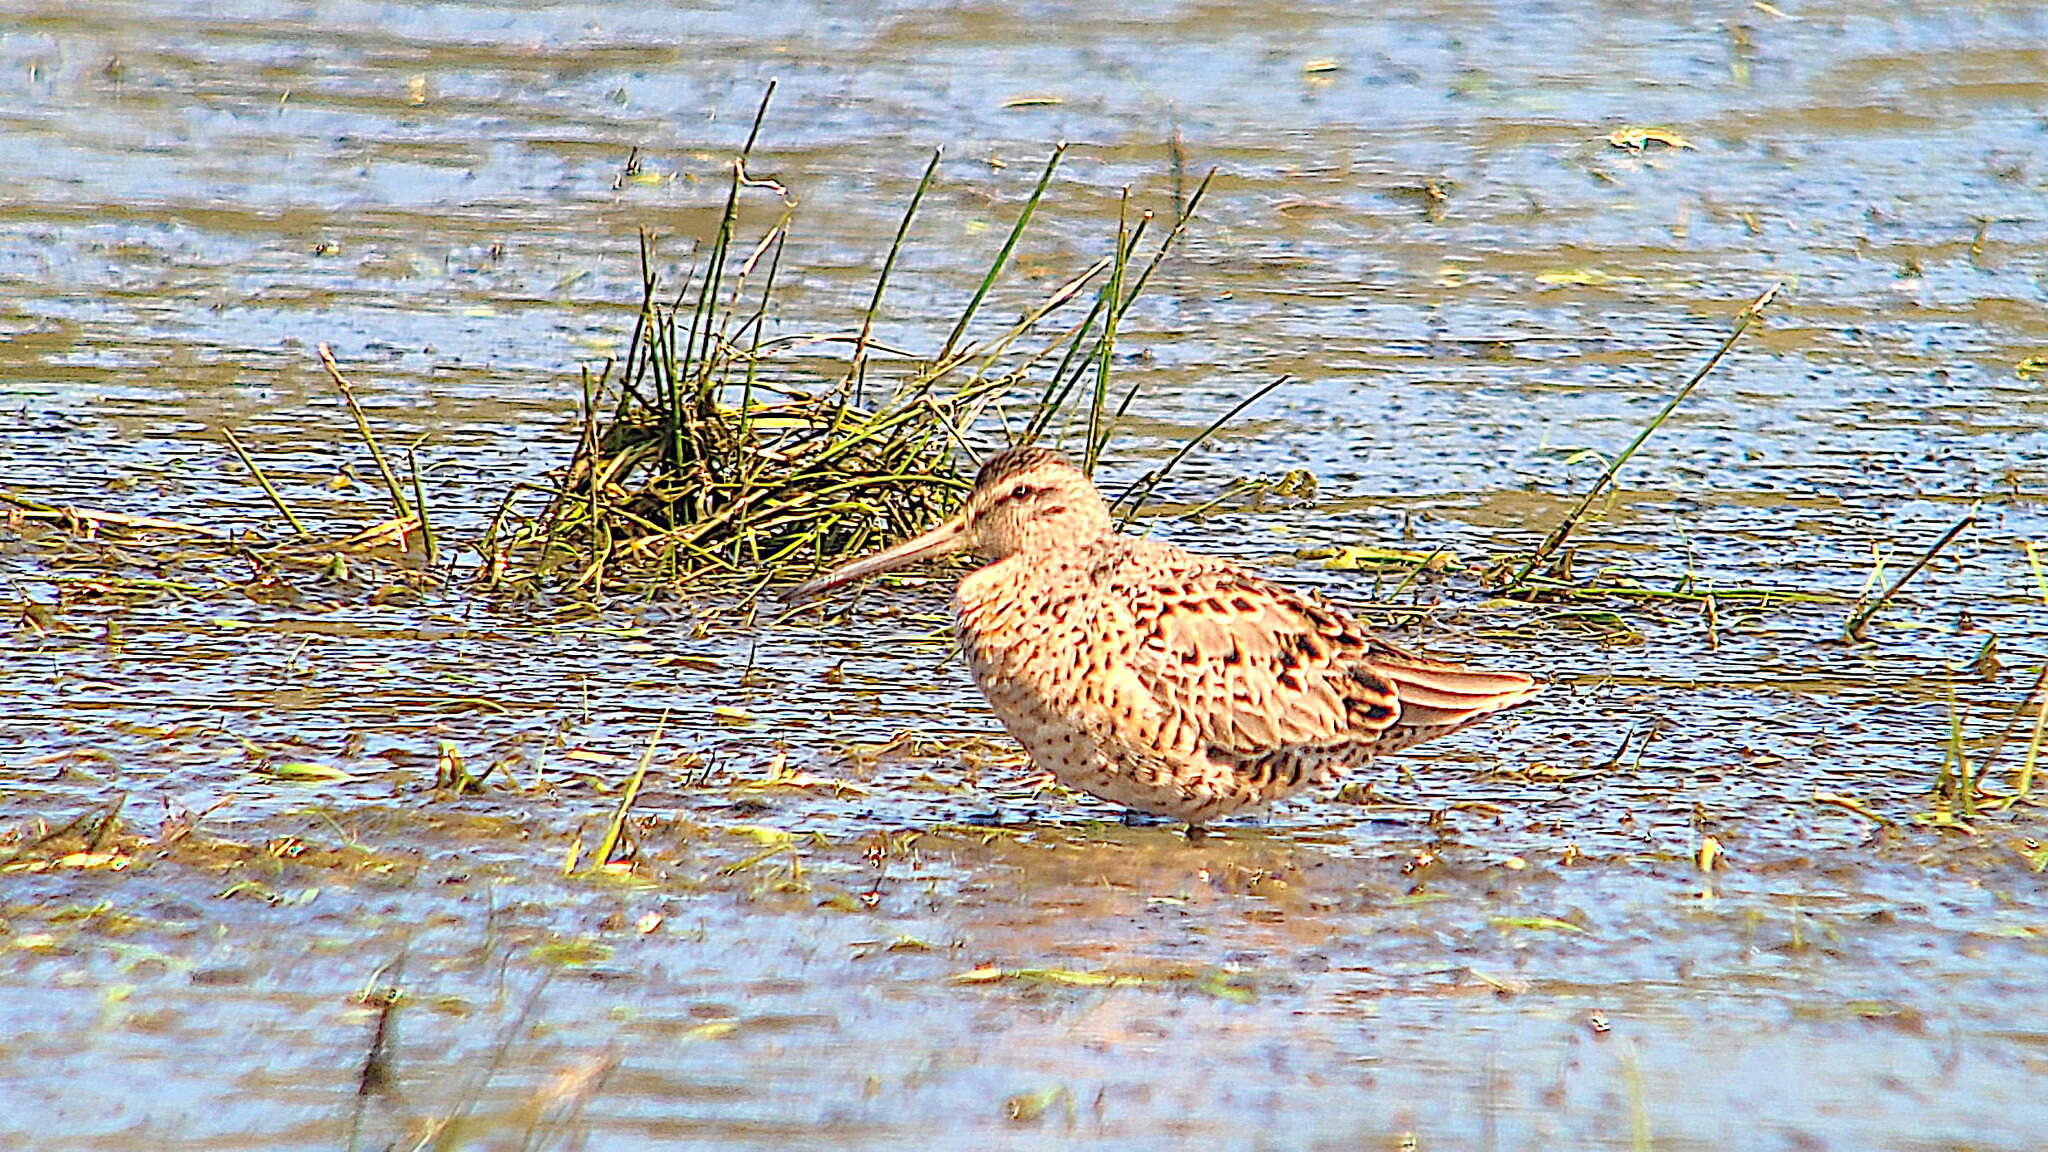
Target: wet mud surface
264 826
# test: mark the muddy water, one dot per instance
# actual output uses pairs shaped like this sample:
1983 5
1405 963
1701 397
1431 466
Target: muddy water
852 921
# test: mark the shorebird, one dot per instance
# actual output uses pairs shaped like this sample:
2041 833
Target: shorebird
1168 682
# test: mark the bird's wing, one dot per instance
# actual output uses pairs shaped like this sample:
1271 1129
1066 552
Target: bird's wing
1244 667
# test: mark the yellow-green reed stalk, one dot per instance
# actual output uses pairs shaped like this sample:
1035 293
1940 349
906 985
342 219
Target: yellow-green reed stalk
419 500
995 268
1062 385
616 829
755 323
486 549
687 373
348 395
594 479
263 482
1058 299
1179 229
1098 428
649 311
2024 785
1959 787
2023 779
1056 391
701 326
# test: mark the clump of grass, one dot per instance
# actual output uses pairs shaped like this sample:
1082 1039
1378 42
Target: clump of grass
703 454
701 457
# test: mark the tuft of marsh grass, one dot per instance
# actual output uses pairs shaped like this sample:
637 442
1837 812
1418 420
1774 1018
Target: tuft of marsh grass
700 456
705 451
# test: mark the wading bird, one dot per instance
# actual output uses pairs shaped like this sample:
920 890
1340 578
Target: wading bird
1171 683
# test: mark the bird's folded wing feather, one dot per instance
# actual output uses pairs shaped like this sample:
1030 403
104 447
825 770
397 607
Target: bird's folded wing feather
1440 694
1246 667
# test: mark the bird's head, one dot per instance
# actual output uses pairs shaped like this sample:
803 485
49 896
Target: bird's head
1024 500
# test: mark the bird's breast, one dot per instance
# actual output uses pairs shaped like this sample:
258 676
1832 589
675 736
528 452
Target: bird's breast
1016 621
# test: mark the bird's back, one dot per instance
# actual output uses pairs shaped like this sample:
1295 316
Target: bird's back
1182 685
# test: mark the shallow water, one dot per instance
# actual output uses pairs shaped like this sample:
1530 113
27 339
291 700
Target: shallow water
853 921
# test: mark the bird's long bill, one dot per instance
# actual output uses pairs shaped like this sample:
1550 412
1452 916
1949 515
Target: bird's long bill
946 538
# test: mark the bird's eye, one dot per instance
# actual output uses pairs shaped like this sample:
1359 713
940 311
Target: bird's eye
1024 492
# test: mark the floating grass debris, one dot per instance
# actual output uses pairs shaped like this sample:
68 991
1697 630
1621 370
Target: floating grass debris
87 520
1639 137
1222 983
347 553
615 831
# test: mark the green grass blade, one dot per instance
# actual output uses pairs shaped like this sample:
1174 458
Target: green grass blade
1144 485
1003 257
1558 535
867 323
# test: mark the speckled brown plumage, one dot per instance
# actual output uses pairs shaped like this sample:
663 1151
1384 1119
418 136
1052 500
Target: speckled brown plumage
1169 682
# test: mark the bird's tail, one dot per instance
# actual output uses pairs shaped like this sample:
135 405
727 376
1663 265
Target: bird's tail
1438 696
